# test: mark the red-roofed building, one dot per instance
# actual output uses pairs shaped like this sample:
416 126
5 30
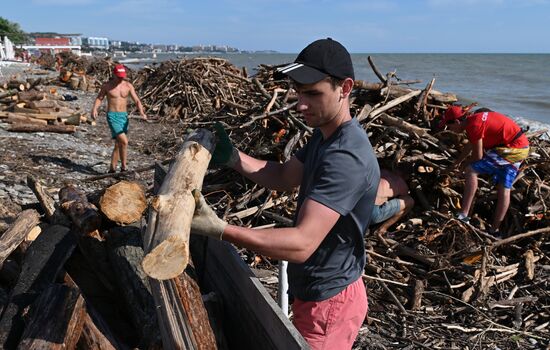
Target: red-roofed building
53 41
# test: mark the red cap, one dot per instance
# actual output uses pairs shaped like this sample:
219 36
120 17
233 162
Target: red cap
120 71
452 113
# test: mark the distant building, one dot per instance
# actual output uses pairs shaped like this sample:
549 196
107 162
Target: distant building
97 42
52 44
52 41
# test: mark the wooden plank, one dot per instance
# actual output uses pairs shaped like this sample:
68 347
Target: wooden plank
56 319
44 260
252 317
17 232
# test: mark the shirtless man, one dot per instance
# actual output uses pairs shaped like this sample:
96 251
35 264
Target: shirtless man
392 201
117 91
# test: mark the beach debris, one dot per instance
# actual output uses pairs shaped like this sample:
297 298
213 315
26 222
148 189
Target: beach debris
433 281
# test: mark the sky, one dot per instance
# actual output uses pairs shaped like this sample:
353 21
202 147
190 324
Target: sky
363 26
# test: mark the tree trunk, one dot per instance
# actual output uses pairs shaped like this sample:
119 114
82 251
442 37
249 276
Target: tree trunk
57 318
166 241
81 212
60 129
124 202
42 104
17 232
125 253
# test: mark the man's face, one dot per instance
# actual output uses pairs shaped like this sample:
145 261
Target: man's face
319 102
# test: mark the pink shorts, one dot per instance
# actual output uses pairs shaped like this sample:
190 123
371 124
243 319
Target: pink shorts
332 323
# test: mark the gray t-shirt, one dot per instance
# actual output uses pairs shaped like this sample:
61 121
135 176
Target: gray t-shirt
341 173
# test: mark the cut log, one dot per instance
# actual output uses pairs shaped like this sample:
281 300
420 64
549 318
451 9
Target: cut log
82 213
73 119
42 104
21 119
74 82
182 317
125 253
43 261
92 338
17 232
166 241
406 127
59 129
31 96
124 202
56 320
19 113
51 210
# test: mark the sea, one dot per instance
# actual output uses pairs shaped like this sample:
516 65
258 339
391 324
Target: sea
517 85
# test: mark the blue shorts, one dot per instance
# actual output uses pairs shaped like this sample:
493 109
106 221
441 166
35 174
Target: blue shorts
504 174
118 123
385 211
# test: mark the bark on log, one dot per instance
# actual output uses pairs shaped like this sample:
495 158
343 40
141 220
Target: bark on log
17 232
31 96
82 213
57 318
51 210
23 120
406 127
166 241
42 104
60 129
124 202
125 253
25 113
43 261
92 338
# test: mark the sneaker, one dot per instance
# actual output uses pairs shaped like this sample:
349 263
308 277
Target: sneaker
463 218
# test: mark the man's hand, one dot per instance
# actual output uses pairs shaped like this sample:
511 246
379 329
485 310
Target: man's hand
225 153
205 221
94 114
144 117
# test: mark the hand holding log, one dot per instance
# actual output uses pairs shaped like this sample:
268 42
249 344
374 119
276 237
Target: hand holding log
205 221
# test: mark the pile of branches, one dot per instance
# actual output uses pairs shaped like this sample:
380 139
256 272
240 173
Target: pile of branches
434 281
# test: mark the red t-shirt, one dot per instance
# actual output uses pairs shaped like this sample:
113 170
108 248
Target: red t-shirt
495 129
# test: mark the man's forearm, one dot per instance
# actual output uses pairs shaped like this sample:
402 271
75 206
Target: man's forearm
277 243
265 173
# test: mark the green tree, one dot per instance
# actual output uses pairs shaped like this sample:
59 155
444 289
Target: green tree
13 31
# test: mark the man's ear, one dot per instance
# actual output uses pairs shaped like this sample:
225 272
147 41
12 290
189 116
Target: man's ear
347 86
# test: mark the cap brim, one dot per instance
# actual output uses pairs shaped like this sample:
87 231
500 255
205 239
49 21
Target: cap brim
121 75
302 74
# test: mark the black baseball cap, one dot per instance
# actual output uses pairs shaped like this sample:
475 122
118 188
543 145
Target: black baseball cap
320 59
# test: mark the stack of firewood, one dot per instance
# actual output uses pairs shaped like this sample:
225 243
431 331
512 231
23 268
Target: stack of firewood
74 278
35 108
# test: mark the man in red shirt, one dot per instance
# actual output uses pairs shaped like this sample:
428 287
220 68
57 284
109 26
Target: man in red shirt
496 146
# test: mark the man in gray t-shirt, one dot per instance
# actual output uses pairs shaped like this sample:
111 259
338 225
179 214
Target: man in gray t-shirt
338 177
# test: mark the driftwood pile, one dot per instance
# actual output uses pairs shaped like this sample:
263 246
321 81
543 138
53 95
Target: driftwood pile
31 107
435 282
78 72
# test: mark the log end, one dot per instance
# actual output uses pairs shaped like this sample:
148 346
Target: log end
167 260
124 202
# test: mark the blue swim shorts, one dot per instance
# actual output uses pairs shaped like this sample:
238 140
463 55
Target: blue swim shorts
492 164
385 211
118 123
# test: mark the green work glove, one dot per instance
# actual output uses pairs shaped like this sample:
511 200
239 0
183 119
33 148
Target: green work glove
225 153
205 221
